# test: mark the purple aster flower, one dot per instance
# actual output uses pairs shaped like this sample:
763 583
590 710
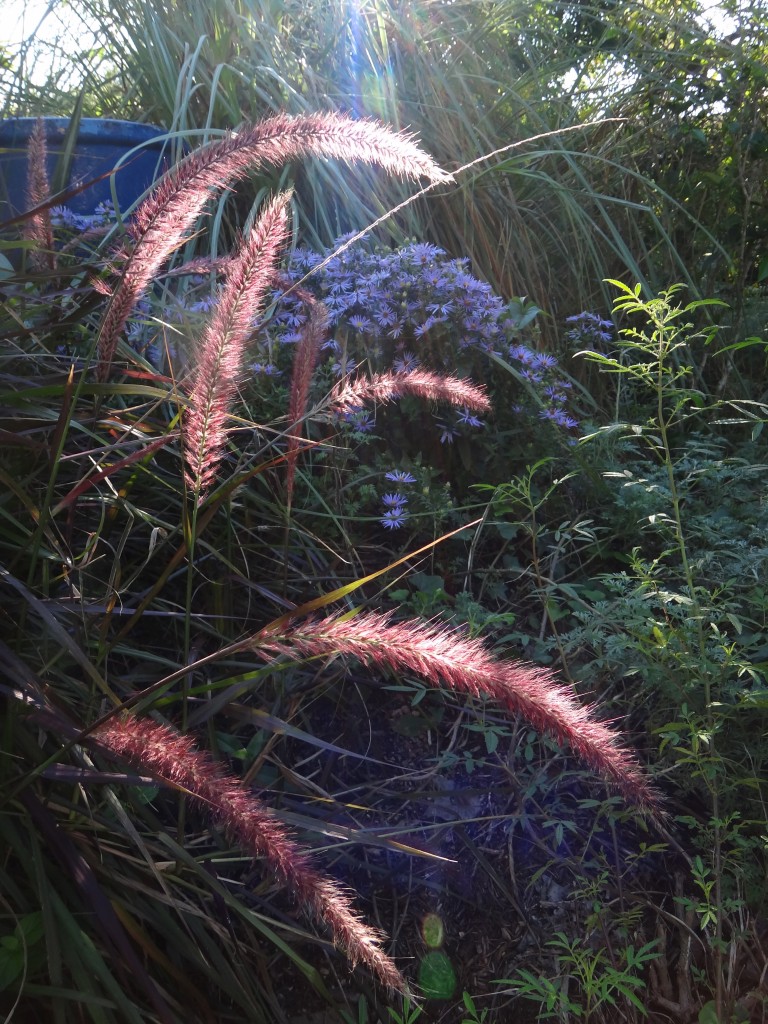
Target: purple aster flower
466 281
542 361
442 309
564 420
558 416
423 252
467 417
394 518
62 216
342 370
106 208
405 362
204 305
448 434
304 259
296 318
360 323
360 421
434 277
138 321
386 316
522 353
590 324
534 378
400 476
395 500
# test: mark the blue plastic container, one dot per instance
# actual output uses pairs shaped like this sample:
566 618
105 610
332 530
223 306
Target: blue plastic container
101 143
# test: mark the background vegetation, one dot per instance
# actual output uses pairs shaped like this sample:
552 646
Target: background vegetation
619 485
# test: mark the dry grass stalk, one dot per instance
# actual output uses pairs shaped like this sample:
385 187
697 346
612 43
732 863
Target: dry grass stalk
172 758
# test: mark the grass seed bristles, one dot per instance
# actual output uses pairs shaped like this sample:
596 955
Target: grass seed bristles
388 387
163 221
173 758
38 228
304 363
443 657
219 361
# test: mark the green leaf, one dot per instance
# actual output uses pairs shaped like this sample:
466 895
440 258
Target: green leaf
491 741
11 966
31 927
708 1013
410 725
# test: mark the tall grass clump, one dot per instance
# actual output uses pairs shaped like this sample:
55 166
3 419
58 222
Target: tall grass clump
149 523
638 199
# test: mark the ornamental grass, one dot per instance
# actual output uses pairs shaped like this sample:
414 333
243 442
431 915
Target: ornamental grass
147 591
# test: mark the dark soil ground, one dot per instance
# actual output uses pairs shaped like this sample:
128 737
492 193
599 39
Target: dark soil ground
469 861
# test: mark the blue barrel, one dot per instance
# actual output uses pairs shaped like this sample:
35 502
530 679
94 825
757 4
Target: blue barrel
101 143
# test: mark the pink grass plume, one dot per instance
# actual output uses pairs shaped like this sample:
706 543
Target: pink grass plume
163 221
388 387
443 657
172 758
219 361
38 228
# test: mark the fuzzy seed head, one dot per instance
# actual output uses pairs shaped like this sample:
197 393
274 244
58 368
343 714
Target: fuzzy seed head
171 758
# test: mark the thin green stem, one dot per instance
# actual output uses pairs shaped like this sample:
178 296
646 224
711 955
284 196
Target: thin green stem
665 335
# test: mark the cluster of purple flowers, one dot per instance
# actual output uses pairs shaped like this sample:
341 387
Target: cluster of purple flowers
265 370
397 308
589 330
540 370
398 296
103 216
390 305
394 503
